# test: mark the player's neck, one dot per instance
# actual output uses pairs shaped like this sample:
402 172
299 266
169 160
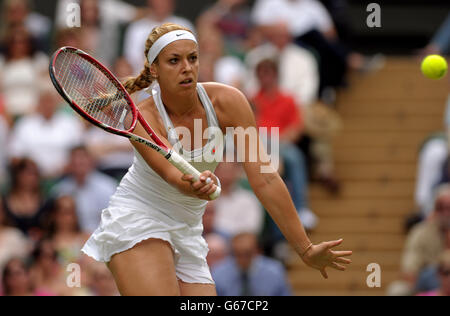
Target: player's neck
180 105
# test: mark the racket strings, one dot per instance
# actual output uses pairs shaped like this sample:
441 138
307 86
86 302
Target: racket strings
93 91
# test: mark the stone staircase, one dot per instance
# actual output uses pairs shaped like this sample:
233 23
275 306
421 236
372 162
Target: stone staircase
386 117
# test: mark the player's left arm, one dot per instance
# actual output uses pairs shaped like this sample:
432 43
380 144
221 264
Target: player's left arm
272 192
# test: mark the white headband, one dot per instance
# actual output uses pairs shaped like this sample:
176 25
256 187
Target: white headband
165 40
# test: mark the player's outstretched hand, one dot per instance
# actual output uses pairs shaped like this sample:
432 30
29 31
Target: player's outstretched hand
322 256
202 188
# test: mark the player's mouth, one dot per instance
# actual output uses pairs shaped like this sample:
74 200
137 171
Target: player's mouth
187 82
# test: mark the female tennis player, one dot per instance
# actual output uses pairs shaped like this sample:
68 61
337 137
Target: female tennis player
151 233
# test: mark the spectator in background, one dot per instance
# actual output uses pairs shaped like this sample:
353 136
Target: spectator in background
274 108
424 244
218 249
101 25
208 219
236 210
443 273
440 43
64 230
3 156
47 135
298 68
432 157
432 167
311 25
16 280
247 273
13 242
18 13
25 205
70 36
102 281
90 188
160 11
232 18
21 68
216 66
46 271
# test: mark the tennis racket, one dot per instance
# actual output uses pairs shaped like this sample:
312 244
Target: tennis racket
96 95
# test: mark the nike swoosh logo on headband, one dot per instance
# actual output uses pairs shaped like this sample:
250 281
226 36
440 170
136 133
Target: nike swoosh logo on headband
179 34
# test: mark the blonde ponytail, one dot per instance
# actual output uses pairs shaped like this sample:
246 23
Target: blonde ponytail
141 82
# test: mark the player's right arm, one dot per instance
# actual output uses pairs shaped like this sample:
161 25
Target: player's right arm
162 166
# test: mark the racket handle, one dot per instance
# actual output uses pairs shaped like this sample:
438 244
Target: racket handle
187 168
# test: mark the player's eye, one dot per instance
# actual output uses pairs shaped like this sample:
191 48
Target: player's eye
173 61
193 58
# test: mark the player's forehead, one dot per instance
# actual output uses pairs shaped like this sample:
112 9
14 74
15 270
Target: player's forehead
179 48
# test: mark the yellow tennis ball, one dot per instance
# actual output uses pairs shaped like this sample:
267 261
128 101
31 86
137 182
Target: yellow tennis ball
434 67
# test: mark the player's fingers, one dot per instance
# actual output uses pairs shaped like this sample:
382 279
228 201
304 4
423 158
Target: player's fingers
205 188
187 177
334 243
324 273
197 185
343 260
205 175
211 190
343 253
337 266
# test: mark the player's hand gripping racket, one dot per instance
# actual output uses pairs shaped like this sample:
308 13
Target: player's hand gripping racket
94 93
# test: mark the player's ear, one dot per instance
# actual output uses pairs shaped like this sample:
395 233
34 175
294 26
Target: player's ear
154 71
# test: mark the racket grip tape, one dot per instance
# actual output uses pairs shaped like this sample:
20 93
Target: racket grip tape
187 168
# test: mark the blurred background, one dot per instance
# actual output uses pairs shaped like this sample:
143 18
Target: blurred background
364 140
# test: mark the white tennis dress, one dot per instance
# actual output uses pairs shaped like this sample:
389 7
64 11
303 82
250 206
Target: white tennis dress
145 206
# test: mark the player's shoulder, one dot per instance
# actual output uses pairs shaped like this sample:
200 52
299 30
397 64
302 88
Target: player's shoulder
230 103
224 96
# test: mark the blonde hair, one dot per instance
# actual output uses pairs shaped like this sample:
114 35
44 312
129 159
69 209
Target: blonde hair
145 79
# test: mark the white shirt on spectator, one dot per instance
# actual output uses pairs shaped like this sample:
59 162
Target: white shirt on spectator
301 15
91 198
429 172
238 212
136 35
47 142
230 70
298 71
38 25
13 244
19 79
110 10
95 137
113 13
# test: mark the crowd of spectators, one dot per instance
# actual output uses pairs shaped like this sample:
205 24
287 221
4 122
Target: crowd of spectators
425 258
57 172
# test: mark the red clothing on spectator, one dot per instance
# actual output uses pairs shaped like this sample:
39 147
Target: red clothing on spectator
276 109
2 106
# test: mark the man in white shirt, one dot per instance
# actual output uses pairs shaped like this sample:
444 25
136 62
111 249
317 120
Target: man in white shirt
302 16
102 36
90 189
47 135
161 11
236 210
298 68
